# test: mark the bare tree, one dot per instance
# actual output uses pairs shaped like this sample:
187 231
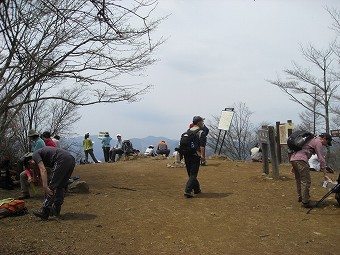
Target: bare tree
78 47
241 136
335 14
313 85
311 122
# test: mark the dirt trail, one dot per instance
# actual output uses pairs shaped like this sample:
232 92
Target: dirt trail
137 207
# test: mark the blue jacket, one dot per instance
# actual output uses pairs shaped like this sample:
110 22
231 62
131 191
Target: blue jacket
106 141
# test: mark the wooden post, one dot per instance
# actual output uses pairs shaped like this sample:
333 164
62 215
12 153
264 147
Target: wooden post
263 136
265 156
219 152
278 145
275 165
218 139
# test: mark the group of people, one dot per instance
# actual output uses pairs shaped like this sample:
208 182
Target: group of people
109 153
162 149
50 165
53 166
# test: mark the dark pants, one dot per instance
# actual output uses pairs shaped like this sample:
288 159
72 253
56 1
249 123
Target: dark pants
113 153
163 152
60 174
106 151
87 152
192 164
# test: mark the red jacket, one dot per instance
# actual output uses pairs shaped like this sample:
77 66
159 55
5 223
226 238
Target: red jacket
49 142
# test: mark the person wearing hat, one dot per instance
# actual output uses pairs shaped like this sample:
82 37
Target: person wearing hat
299 161
36 141
88 149
106 146
193 161
117 149
27 176
62 164
150 151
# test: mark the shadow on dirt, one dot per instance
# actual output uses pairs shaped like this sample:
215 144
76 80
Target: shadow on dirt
212 164
78 216
213 195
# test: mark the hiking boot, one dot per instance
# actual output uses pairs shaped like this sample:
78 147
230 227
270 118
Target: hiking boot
56 210
42 213
299 199
310 204
198 192
24 196
188 195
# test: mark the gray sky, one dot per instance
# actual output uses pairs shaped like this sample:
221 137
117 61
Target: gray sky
218 53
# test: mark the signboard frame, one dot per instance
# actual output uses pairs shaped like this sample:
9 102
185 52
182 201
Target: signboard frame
225 120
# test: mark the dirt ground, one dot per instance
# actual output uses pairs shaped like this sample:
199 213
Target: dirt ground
138 207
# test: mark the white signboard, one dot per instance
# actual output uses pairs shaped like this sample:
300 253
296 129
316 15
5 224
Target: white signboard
225 120
101 135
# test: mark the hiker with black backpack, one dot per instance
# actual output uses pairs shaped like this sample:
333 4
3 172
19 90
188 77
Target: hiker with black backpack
299 160
192 147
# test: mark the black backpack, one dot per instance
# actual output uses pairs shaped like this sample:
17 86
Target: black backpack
127 147
189 143
298 139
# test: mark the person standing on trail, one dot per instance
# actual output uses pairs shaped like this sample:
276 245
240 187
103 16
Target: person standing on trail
299 161
106 146
88 149
193 160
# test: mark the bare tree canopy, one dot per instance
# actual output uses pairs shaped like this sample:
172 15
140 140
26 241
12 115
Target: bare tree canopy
78 47
314 85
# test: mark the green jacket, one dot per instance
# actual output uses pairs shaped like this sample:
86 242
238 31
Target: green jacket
87 144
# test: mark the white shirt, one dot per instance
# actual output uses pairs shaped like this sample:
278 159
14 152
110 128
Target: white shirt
255 153
314 162
149 151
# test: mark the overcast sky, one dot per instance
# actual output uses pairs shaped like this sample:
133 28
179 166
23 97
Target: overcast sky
218 53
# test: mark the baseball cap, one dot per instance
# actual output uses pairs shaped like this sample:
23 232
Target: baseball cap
328 137
197 119
119 135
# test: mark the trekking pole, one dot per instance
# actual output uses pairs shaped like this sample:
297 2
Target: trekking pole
325 196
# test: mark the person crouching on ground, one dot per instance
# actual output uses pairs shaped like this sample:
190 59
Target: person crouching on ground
299 161
162 149
62 164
